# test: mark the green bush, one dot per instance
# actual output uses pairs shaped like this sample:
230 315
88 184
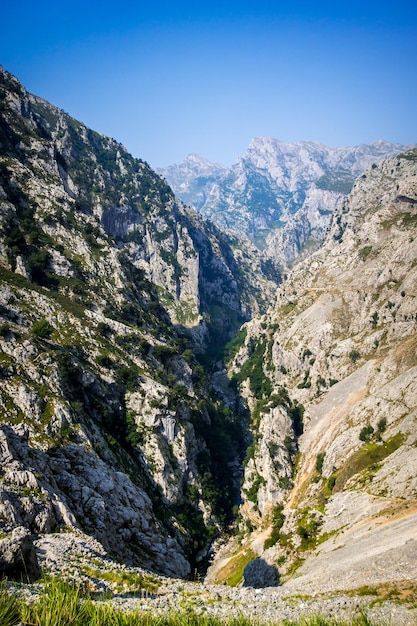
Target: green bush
232 348
41 329
4 329
278 519
331 482
364 252
307 530
382 424
127 376
319 462
252 492
354 355
259 382
104 360
366 433
68 370
374 319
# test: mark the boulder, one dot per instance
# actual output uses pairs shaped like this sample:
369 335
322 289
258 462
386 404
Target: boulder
18 560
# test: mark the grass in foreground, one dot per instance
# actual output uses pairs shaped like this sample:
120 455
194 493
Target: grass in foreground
63 604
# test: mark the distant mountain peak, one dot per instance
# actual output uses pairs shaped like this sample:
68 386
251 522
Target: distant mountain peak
279 194
193 157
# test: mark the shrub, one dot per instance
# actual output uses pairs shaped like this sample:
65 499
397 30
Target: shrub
331 482
4 329
366 433
319 462
354 355
104 329
232 348
364 252
278 519
382 424
127 376
307 529
41 329
68 370
104 360
252 492
374 319
260 384
306 383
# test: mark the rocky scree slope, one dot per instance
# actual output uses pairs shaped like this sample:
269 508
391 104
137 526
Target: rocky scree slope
280 195
110 426
330 377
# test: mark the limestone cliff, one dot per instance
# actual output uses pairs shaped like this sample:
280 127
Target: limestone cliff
329 374
109 287
118 422
280 195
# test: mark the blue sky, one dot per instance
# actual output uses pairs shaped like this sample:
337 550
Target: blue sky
170 78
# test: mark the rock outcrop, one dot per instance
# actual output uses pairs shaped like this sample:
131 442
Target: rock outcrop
18 559
329 374
109 287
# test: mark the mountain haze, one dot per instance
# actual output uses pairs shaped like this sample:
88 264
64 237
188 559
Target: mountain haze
280 195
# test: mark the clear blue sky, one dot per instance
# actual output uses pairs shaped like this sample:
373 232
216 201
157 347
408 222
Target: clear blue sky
170 78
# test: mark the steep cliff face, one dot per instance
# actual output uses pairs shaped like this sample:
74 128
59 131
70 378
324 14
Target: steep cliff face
280 195
115 304
108 286
329 374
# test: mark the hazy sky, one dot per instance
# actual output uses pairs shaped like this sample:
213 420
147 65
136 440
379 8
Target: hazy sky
170 78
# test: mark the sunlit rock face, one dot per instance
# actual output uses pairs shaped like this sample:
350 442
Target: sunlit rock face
109 287
280 195
329 374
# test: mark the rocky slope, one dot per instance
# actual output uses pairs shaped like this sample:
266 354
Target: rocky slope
109 287
280 195
329 374
120 434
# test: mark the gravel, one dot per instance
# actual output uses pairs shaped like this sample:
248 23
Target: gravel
73 553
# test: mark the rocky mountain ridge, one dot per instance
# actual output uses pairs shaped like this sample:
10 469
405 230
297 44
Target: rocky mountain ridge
329 374
120 429
109 288
280 195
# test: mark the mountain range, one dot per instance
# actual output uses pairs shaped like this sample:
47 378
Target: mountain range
165 386
280 195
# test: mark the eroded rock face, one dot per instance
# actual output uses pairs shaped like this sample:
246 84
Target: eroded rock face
73 488
110 425
280 195
336 356
18 560
108 286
